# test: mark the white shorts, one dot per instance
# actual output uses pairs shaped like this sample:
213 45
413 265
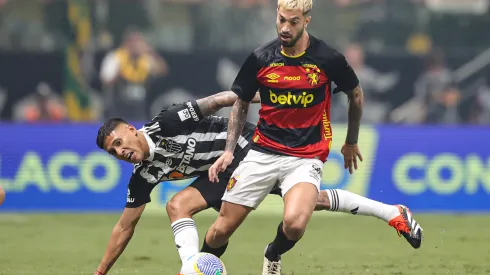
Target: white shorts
258 172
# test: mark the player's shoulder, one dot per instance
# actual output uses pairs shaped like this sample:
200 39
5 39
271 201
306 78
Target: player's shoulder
137 168
324 52
267 51
173 110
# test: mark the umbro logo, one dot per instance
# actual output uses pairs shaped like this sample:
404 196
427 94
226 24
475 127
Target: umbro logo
272 77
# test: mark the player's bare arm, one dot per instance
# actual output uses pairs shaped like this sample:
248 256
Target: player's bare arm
350 150
211 104
120 237
355 113
237 120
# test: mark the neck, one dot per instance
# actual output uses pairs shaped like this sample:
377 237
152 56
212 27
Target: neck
300 46
144 143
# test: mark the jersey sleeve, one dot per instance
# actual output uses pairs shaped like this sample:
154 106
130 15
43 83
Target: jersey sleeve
139 190
341 73
246 84
180 119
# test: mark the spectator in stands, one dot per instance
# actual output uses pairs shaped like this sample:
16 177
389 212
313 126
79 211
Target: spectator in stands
42 106
375 84
125 73
482 112
436 91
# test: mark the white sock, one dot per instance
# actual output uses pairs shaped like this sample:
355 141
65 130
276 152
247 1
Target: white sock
347 202
186 237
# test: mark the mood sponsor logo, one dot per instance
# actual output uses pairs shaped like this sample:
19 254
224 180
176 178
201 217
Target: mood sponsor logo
292 78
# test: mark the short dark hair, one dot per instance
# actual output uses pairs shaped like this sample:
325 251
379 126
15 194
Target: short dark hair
107 128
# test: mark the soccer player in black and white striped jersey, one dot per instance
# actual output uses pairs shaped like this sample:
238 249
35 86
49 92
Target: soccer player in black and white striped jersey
182 142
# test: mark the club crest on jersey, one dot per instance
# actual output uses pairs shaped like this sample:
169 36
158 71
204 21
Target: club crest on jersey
313 77
231 183
169 145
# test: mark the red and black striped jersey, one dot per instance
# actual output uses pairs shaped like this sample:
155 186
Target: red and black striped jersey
295 92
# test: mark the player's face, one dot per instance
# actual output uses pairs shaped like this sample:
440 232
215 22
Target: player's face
291 25
124 144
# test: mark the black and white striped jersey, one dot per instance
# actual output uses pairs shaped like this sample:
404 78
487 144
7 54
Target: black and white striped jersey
183 144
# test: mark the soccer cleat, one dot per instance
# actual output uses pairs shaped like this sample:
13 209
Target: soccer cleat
406 226
270 267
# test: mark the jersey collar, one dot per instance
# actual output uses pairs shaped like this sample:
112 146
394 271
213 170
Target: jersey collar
151 145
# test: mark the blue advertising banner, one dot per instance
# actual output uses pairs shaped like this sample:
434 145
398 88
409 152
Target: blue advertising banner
59 167
433 168
55 167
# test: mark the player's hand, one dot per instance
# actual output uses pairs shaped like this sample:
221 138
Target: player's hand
219 166
351 153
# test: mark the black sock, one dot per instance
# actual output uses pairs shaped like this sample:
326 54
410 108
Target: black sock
218 252
279 246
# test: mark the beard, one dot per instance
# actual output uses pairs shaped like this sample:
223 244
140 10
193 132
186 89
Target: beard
293 40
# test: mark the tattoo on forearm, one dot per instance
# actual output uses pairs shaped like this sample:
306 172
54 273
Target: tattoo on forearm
238 118
211 104
356 98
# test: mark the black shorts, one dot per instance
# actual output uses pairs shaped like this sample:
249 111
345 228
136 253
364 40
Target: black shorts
212 192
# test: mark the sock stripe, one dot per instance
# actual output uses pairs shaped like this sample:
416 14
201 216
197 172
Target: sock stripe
183 228
335 203
183 225
331 199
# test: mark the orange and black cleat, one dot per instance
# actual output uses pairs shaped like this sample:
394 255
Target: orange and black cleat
406 226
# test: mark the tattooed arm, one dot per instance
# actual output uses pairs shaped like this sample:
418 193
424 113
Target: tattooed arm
356 98
238 117
245 87
211 104
237 120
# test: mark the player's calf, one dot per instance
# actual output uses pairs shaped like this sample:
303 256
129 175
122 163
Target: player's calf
337 200
230 217
299 203
180 210
323 203
295 221
397 216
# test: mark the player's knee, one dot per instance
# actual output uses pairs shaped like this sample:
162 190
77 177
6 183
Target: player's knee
176 208
295 225
222 231
225 226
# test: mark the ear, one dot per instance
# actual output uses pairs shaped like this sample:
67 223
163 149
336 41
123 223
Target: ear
131 128
307 20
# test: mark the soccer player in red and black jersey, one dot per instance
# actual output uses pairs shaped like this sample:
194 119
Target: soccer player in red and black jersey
293 74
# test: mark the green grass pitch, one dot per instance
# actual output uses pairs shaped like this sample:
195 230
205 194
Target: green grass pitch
65 244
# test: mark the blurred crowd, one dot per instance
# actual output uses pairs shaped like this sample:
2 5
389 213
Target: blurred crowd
444 41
